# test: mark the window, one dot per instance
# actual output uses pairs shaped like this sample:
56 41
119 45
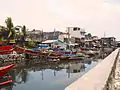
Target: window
78 28
75 29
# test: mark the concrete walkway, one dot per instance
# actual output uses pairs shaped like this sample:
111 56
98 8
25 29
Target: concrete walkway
97 77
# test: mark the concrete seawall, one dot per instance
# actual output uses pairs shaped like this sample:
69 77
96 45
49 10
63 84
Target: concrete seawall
97 77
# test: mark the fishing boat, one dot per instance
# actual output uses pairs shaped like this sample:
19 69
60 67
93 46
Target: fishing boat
19 49
92 53
6 49
44 53
52 57
5 69
5 79
76 58
67 52
64 57
27 51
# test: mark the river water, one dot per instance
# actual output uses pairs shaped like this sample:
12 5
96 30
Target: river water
53 76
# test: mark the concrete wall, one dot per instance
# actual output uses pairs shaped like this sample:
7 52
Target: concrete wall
97 77
77 33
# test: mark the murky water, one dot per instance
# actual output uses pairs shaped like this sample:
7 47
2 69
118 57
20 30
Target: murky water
54 76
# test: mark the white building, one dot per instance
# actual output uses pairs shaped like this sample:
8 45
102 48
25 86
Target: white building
62 37
76 32
75 67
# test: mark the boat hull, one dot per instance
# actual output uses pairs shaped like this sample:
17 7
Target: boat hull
5 69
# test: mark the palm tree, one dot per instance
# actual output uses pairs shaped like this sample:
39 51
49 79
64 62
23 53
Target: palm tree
10 28
24 32
3 33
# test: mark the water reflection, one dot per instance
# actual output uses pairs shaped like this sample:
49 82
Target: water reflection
50 76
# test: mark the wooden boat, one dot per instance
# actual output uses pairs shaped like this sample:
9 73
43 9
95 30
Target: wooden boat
6 52
71 52
27 51
44 53
19 49
6 49
52 57
5 79
31 52
64 57
67 52
76 58
54 54
5 69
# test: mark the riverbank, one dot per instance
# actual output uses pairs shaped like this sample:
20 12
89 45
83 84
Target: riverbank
97 77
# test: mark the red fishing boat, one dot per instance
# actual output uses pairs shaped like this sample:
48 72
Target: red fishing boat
64 57
27 51
5 69
5 79
6 49
19 49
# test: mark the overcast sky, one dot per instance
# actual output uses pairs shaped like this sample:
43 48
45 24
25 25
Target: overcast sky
95 16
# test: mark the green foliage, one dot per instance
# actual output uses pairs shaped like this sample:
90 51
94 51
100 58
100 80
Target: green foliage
24 32
2 39
89 35
31 43
9 32
10 27
3 32
9 23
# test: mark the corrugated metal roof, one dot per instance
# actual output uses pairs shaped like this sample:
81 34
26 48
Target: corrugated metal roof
49 41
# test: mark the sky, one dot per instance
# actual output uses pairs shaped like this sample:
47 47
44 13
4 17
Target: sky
98 17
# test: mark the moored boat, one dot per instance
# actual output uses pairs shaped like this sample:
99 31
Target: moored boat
76 58
64 57
5 69
6 49
5 79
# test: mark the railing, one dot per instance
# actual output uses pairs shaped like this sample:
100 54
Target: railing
98 77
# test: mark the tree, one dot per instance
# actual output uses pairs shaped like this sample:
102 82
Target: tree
3 32
10 28
24 32
18 32
89 35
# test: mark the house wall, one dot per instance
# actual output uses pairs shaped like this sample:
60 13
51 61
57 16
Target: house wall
76 32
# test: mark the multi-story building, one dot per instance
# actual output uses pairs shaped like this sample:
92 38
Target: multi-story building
76 32
39 35
52 35
36 35
108 41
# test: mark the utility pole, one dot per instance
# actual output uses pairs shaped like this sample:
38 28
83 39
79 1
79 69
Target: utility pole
68 34
54 34
104 34
42 35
